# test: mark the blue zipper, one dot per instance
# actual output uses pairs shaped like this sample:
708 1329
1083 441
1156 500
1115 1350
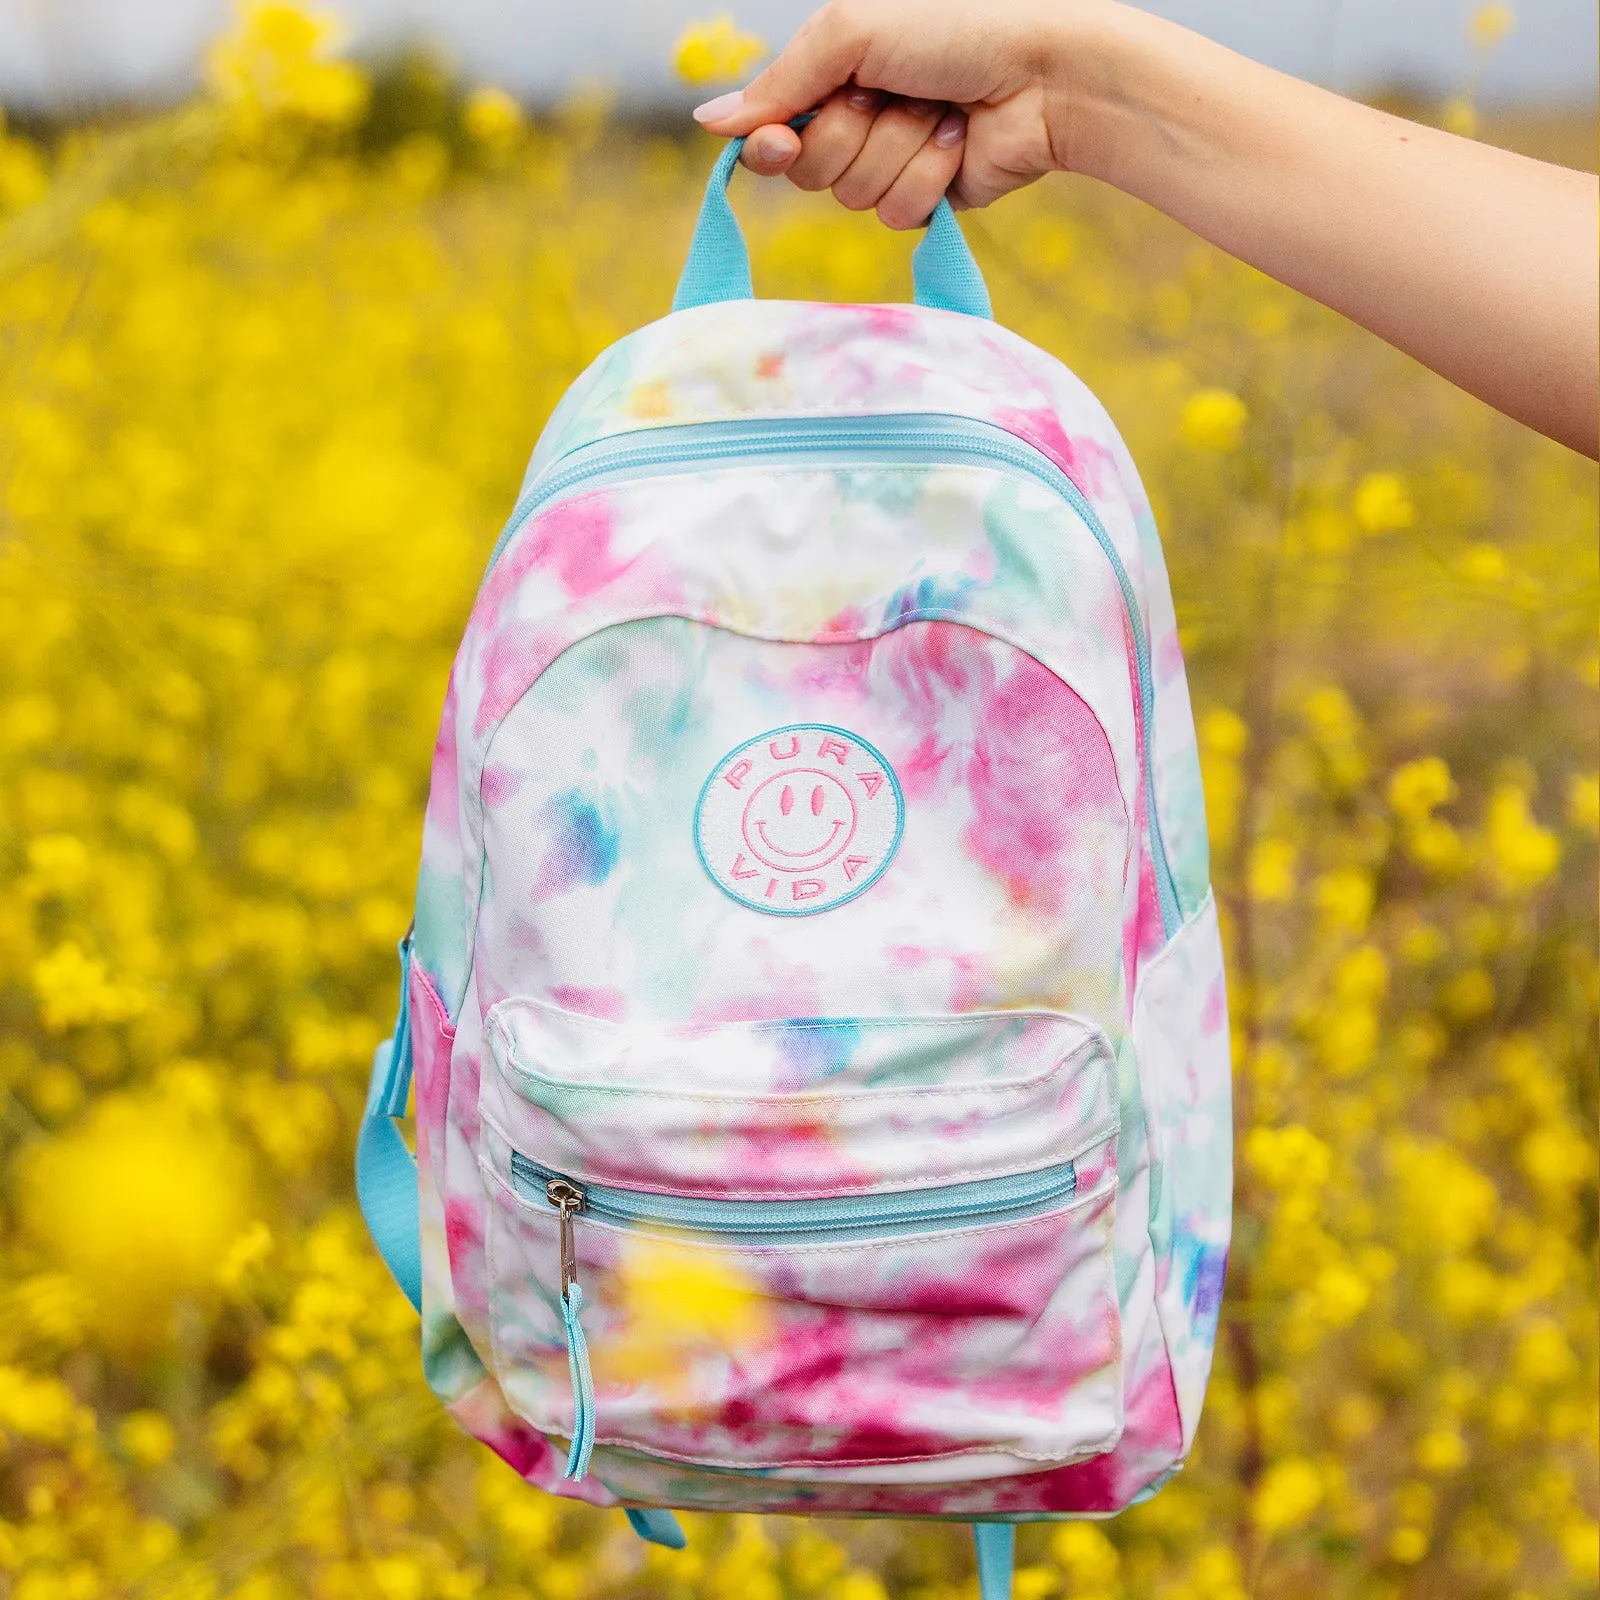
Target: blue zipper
937 436
776 1223
794 1223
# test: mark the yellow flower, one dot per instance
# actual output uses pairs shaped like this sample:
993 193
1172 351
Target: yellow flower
75 988
492 118
1290 1157
1441 1451
1088 1558
715 50
1489 24
140 1204
276 61
1223 736
1344 897
1485 564
1580 1547
1460 116
1214 419
1543 1355
1583 802
1522 853
23 175
1416 788
1469 995
1408 1545
41 1409
1288 1495
1272 864
1383 503
146 1438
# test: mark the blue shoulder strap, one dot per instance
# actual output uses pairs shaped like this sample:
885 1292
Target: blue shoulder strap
943 273
997 1544
386 1171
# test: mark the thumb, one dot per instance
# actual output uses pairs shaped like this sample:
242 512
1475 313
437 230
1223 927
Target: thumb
814 63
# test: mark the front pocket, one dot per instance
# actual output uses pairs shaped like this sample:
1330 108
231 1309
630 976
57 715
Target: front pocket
901 1272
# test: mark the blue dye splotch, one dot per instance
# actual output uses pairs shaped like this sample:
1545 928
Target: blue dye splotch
583 843
932 595
1204 1266
815 1048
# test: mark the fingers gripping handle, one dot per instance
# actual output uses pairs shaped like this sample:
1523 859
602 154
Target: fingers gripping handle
943 273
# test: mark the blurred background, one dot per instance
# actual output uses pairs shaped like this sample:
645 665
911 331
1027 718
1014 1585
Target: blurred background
285 297
56 55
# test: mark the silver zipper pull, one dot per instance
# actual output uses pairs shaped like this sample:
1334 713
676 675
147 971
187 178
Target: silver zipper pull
569 1200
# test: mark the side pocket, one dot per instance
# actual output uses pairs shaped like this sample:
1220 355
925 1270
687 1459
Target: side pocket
1180 1030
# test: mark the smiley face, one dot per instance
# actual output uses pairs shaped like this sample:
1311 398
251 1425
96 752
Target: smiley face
799 819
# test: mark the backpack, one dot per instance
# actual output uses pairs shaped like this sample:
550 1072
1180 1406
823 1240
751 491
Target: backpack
815 999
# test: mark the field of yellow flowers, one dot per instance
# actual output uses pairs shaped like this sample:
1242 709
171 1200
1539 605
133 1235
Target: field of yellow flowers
270 366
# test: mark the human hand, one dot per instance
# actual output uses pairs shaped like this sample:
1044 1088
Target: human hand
917 98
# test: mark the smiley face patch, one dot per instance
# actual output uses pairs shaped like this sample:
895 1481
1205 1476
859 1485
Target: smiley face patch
799 819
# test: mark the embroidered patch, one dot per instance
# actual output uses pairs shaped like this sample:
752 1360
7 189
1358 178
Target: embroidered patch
799 819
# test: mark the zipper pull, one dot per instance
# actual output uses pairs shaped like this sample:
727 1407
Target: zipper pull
569 1200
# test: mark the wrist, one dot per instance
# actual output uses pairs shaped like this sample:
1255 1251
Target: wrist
1109 81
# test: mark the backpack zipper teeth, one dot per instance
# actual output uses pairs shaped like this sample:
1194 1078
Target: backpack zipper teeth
923 433
795 1223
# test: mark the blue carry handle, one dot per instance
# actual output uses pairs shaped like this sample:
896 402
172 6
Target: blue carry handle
943 273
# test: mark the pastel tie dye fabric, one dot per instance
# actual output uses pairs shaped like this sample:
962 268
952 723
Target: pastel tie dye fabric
795 968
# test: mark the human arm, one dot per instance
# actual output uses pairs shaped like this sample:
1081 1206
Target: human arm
1479 263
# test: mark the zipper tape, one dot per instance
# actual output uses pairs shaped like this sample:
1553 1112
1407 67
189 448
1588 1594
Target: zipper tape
780 1223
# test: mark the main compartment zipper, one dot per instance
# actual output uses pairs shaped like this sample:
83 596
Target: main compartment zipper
938 437
775 1224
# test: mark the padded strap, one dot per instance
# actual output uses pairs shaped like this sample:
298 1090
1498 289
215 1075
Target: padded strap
997 1544
386 1171
658 1527
943 274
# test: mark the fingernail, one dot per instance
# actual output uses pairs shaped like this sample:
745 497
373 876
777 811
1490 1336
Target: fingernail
862 99
772 148
952 130
723 106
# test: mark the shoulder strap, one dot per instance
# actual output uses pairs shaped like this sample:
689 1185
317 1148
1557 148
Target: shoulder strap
997 1543
386 1171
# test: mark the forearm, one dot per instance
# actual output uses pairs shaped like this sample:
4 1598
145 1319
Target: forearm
1479 263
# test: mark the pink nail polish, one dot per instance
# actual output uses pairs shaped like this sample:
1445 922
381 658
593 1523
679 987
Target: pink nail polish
862 99
723 106
952 130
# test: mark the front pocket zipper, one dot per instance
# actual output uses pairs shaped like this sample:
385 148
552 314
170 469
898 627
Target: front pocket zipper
922 437
775 1224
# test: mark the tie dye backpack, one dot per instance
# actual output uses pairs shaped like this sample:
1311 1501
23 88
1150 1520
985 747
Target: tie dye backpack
815 999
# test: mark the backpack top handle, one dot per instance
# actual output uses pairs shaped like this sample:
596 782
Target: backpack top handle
943 273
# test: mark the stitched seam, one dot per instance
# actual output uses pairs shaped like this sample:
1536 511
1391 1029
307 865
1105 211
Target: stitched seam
446 1027
786 1025
869 1096
1155 962
475 809
960 1453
